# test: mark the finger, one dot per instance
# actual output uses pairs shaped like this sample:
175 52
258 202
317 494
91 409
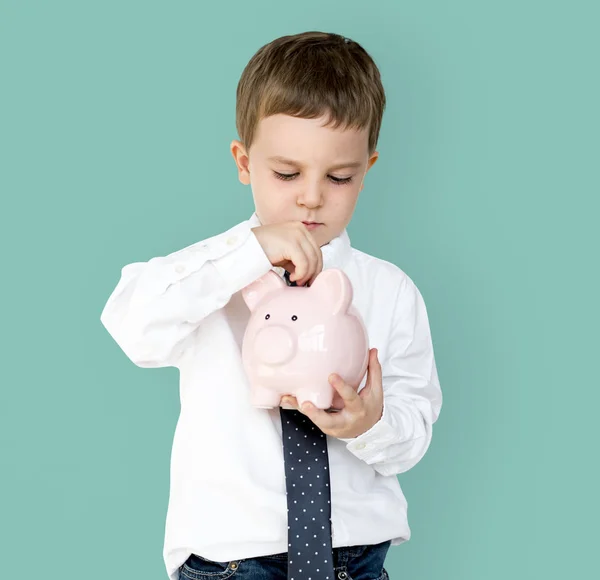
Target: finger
375 368
311 261
321 418
374 376
289 402
319 254
292 401
311 257
300 255
350 397
365 392
299 258
318 269
287 265
371 362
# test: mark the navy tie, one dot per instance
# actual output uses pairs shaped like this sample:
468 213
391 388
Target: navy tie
310 554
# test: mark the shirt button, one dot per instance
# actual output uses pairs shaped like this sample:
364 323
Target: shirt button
342 575
179 268
232 240
361 446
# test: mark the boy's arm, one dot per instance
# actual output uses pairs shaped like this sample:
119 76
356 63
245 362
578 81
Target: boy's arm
412 395
157 305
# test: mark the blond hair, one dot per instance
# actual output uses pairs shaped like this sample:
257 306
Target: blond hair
308 75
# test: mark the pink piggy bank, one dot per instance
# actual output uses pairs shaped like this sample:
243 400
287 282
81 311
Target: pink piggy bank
297 336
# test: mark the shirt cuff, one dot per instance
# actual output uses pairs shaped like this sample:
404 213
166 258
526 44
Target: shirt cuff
368 446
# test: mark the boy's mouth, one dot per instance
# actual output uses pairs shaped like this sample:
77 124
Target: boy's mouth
312 225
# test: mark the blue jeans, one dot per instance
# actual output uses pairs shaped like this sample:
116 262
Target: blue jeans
353 563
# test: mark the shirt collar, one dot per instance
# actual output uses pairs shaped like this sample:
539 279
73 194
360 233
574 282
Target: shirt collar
335 253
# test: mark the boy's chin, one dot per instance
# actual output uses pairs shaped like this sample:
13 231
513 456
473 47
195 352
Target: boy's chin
323 236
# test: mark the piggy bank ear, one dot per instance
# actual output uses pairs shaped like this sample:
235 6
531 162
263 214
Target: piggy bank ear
333 287
253 293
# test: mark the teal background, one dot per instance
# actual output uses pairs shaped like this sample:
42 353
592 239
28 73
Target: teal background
115 124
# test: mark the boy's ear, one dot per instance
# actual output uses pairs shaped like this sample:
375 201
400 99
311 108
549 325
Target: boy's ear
374 157
240 156
253 293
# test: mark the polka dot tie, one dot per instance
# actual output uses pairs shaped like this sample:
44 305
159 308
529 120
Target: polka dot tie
310 555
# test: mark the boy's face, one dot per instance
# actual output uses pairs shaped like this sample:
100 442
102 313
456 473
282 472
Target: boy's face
322 186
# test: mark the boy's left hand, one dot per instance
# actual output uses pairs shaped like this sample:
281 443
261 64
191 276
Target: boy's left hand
361 410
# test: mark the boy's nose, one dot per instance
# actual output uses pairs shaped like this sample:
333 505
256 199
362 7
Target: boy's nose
311 197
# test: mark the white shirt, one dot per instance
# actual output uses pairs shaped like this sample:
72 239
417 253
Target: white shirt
227 496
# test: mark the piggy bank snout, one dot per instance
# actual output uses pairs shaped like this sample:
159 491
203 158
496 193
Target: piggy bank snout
275 345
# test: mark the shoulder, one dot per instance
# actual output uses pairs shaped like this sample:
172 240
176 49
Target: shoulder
382 273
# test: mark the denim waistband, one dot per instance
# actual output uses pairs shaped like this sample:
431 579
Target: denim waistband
342 555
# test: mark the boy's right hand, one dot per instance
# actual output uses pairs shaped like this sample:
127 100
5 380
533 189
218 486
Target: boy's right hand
291 246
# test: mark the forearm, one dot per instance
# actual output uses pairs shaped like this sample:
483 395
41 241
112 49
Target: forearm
158 304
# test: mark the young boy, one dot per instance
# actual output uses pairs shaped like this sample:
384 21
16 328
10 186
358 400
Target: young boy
309 110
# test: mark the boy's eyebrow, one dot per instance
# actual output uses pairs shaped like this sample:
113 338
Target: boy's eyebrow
286 161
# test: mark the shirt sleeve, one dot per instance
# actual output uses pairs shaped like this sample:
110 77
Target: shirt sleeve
157 305
412 394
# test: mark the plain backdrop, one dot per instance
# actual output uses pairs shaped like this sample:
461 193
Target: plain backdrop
115 124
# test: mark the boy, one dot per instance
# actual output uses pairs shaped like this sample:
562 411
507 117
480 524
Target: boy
309 109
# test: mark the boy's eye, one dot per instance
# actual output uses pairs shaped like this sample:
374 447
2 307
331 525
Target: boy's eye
290 176
285 176
340 180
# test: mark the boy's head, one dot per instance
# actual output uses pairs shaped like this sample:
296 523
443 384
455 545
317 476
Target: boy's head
316 100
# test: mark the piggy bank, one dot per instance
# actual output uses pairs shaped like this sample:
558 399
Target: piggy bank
297 336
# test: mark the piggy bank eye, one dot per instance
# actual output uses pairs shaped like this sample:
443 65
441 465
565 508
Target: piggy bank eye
294 318
267 317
